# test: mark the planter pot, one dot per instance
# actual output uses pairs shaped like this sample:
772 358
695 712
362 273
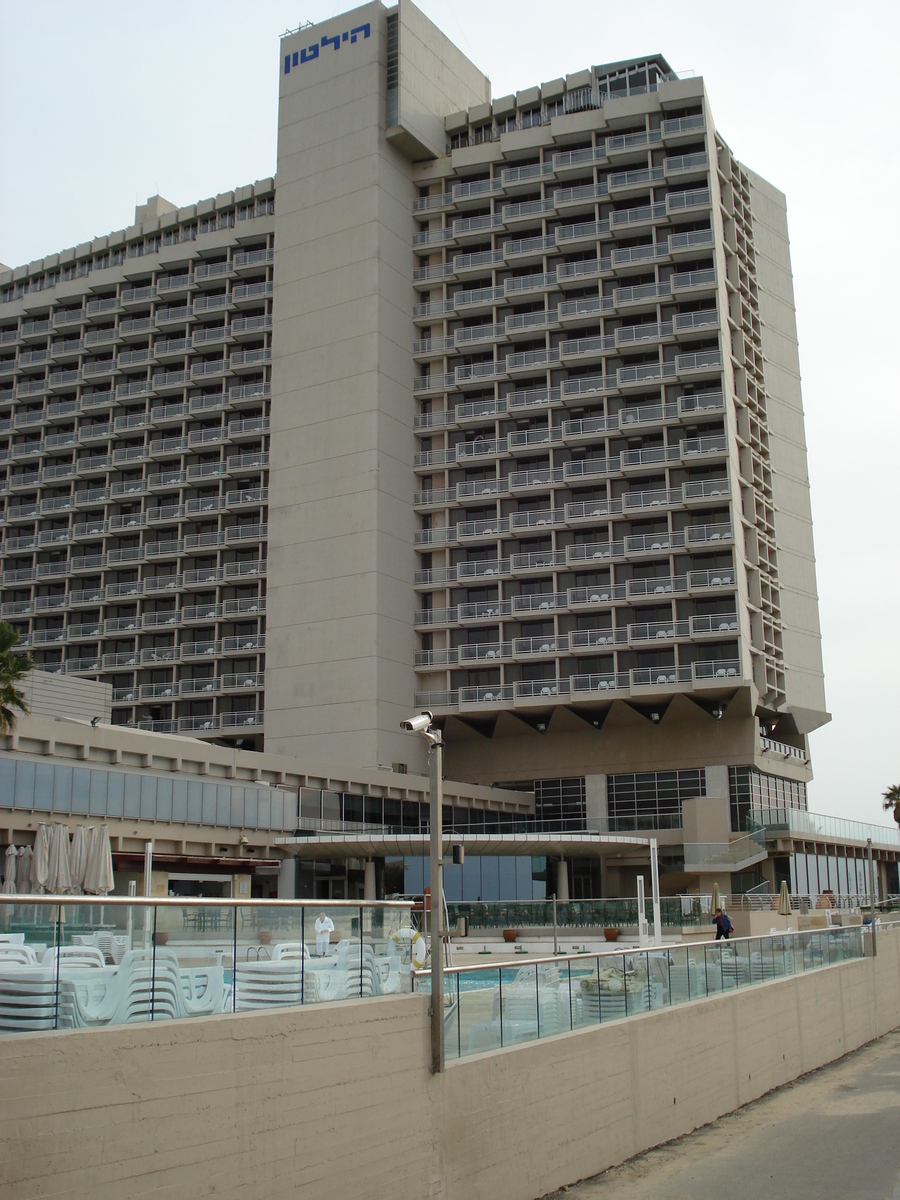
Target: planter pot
265 937
611 935
160 937
510 935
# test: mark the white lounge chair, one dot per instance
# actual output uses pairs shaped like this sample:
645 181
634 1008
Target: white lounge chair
17 954
74 956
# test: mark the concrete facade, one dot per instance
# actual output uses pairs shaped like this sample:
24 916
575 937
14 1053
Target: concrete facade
338 1099
341 517
134 448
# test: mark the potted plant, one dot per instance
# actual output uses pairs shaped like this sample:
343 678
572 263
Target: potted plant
265 936
510 935
611 934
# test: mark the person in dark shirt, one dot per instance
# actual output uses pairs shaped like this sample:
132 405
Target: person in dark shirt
724 927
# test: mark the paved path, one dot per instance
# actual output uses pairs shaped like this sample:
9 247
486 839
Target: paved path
833 1135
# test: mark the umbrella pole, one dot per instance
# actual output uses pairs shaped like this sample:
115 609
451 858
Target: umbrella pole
129 928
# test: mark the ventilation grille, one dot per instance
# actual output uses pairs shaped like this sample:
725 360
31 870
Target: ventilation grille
392 115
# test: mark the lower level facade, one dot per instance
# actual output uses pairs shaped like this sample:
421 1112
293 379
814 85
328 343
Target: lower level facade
229 822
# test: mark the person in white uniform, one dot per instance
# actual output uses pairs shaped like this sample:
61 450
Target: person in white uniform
324 929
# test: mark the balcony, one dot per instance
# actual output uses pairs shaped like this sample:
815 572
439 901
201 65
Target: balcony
540 647
716 625
528 211
491 694
252 258
583 231
244 681
245 644
685 201
540 602
533 249
169 381
243 327
530 360
707 580
207 304
242 720
246 360
541 689
465 228
583 196
476 263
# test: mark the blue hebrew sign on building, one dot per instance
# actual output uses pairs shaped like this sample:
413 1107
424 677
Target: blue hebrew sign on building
311 52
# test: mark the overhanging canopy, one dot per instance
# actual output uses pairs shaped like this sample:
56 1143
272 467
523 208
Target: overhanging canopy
375 844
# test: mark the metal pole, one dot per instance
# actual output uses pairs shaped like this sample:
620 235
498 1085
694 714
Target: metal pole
654 885
435 762
148 873
871 891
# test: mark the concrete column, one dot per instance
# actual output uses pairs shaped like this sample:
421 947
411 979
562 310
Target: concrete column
562 880
595 796
369 885
287 879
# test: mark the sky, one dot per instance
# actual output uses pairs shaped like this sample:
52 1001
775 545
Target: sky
103 104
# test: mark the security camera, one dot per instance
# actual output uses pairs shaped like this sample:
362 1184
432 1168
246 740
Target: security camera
419 723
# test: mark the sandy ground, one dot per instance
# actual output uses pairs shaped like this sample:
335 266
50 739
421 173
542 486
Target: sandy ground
832 1135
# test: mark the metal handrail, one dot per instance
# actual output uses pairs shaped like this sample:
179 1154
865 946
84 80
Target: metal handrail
45 898
666 948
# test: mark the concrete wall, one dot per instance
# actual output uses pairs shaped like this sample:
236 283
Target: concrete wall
338 1100
49 695
340 603
804 673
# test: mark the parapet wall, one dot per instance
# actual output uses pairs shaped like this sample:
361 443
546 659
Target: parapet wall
338 1100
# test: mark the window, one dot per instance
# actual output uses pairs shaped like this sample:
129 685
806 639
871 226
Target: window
652 799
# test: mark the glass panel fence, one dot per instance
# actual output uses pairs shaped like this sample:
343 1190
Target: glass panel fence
95 961
487 1008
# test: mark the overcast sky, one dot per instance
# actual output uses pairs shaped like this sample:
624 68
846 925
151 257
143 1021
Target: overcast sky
103 104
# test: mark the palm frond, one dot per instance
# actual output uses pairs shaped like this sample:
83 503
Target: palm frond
13 669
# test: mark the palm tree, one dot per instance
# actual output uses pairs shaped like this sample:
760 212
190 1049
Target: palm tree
13 669
891 800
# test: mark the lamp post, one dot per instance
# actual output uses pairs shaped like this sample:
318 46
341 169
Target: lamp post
871 891
422 724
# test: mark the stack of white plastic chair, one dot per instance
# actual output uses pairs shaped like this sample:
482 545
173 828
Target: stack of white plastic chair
202 991
533 1002
684 982
287 981
82 972
27 990
149 987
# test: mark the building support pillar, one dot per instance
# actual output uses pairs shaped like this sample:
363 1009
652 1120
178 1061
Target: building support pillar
562 880
369 884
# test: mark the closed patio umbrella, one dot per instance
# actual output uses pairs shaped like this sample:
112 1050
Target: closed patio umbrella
78 855
59 878
40 863
784 900
98 877
716 901
9 877
23 870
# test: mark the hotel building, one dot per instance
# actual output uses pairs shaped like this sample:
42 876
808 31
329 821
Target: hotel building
486 406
